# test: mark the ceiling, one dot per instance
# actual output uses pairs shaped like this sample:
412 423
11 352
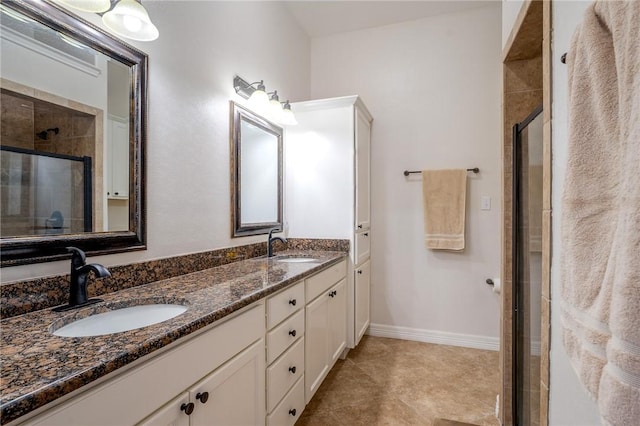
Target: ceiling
323 18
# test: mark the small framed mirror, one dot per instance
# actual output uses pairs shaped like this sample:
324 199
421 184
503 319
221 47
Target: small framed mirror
256 173
73 136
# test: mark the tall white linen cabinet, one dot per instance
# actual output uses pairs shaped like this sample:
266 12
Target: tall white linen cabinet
327 163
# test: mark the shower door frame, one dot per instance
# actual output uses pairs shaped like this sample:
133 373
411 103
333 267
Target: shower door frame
87 178
517 355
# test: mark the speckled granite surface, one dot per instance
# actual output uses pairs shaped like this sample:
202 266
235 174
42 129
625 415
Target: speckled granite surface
25 296
38 367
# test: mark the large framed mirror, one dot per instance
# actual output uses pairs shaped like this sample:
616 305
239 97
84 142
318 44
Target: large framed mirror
73 135
256 173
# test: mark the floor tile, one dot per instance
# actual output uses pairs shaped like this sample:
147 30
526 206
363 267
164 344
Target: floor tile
399 382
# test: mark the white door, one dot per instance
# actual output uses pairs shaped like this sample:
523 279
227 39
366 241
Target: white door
337 320
362 280
174 413
234 393
363 161
316 348
118 167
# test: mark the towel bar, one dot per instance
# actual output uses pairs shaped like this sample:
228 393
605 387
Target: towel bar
409 172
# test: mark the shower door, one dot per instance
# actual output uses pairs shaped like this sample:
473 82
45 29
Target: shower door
527 267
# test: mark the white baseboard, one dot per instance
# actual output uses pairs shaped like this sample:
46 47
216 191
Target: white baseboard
431 336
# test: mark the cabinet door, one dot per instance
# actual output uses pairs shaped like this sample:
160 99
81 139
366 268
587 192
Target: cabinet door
363 147
235 392
118 167
171 414
337 320
362 280
316 348
363 246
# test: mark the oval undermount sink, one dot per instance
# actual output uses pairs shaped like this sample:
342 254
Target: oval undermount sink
120 320
294 259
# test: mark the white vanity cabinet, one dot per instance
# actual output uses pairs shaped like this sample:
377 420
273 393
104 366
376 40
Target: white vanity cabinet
285 356
225 360
328 188
326 324
228 396
118 158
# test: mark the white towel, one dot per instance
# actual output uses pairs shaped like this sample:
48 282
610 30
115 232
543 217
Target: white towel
600 256
444 194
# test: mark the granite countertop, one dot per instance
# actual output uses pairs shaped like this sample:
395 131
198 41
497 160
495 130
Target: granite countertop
38 367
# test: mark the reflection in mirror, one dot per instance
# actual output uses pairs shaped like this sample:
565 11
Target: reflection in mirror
256 166
72 136
528 153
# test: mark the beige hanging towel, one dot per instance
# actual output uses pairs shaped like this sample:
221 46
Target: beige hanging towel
600 226
444 194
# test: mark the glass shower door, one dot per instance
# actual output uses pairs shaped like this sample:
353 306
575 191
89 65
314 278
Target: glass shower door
527 268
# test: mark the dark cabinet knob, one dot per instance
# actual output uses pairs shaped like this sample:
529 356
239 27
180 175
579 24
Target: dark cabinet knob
293 412
292 369
330 294
333 293
366 234
115 193
187 408
203 397
292 302
359 226
292 333
360 271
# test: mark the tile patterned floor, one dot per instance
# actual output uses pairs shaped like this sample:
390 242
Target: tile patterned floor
400 382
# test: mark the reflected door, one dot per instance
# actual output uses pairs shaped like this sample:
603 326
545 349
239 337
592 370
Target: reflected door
527 269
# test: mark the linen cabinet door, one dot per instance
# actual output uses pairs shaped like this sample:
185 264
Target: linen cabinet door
337 320
362 280
316 344
363 174
174 413
233 395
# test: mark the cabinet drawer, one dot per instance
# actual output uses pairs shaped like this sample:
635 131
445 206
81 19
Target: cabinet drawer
284 373
290 409
320 282
284 304
363 246
284 335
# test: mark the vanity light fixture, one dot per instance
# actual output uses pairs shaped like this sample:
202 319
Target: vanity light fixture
127 19
95 6
275 108
130 19
262 103
288 117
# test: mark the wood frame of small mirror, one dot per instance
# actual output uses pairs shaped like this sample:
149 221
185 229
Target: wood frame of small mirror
35 249
239 226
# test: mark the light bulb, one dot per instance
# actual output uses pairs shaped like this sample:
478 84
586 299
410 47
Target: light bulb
130 19
132 23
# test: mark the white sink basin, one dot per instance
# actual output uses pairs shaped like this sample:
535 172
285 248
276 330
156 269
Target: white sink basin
296 259
120 320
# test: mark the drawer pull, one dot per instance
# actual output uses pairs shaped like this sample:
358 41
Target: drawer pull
360 271
366 234
292 333
293 412
333 293
359 226
187 408
292 369
203 397
292 302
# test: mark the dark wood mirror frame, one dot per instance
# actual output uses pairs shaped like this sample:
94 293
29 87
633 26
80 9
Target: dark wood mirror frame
36 249
239 114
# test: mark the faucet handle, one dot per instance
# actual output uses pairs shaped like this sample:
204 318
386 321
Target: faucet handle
78 258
